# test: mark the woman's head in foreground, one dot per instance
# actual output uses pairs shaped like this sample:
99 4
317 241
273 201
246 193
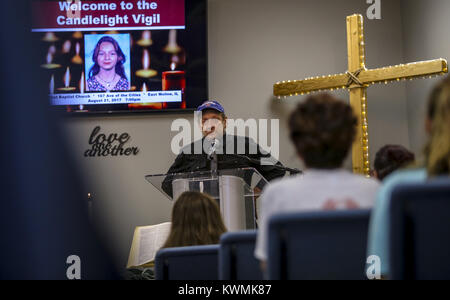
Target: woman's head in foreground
196 220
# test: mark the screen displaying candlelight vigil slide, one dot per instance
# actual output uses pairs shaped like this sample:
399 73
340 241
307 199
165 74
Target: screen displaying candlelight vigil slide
122 55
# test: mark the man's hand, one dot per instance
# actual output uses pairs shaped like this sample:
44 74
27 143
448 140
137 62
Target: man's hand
257 192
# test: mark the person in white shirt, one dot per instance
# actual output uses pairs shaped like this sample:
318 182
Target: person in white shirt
322 130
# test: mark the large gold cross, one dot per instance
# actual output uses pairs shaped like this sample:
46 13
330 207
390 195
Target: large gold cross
356 80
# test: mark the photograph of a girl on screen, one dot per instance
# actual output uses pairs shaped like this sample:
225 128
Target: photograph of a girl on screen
108 72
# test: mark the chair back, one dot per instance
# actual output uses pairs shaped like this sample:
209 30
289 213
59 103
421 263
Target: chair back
236 257
420 231
318 246
187 263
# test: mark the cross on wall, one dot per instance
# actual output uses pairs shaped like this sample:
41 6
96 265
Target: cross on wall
357 79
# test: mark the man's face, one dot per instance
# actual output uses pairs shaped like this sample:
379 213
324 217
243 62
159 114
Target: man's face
213 124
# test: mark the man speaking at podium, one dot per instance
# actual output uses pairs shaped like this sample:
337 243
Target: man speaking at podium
219 151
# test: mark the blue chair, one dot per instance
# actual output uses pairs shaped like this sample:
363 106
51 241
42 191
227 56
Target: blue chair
188 263
318 246
420 231
236 257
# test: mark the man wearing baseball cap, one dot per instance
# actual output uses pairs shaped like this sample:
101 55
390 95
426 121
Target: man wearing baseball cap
233 152
214 120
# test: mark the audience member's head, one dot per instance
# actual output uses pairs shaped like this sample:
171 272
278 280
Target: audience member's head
438 126
323 129
196 221
390 158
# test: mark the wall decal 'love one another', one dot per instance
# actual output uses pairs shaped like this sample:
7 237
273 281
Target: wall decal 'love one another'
113 145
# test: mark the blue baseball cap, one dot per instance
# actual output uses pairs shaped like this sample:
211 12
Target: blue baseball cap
211 105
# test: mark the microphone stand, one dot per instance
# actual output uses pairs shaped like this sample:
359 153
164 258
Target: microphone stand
214 164
212 156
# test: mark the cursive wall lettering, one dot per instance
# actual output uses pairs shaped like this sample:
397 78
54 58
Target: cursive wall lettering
103 145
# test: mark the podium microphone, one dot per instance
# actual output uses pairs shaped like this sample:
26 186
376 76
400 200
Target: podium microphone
214 144
212 155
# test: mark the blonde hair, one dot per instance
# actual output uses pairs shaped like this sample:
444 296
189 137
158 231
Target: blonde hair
437 151
196 220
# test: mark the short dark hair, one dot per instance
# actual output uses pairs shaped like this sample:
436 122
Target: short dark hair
323 129
390 158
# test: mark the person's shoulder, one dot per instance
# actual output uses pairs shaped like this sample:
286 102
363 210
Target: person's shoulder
407 175
364 181
190 148
240 138
252 144
278 193
250 141
404 176
186 150
283 184
399 177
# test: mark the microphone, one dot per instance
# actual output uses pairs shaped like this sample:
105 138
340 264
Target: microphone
212 156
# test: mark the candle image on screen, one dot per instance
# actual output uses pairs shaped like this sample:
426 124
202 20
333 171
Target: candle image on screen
82 88
78 35
146 72
52 85
82 83
146 40
77 58
172 45
49 65
67 87
50 37
67 46
144 89
174 80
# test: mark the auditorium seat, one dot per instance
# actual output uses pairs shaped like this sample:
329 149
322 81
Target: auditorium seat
318 246
420 231
187 263
236 257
